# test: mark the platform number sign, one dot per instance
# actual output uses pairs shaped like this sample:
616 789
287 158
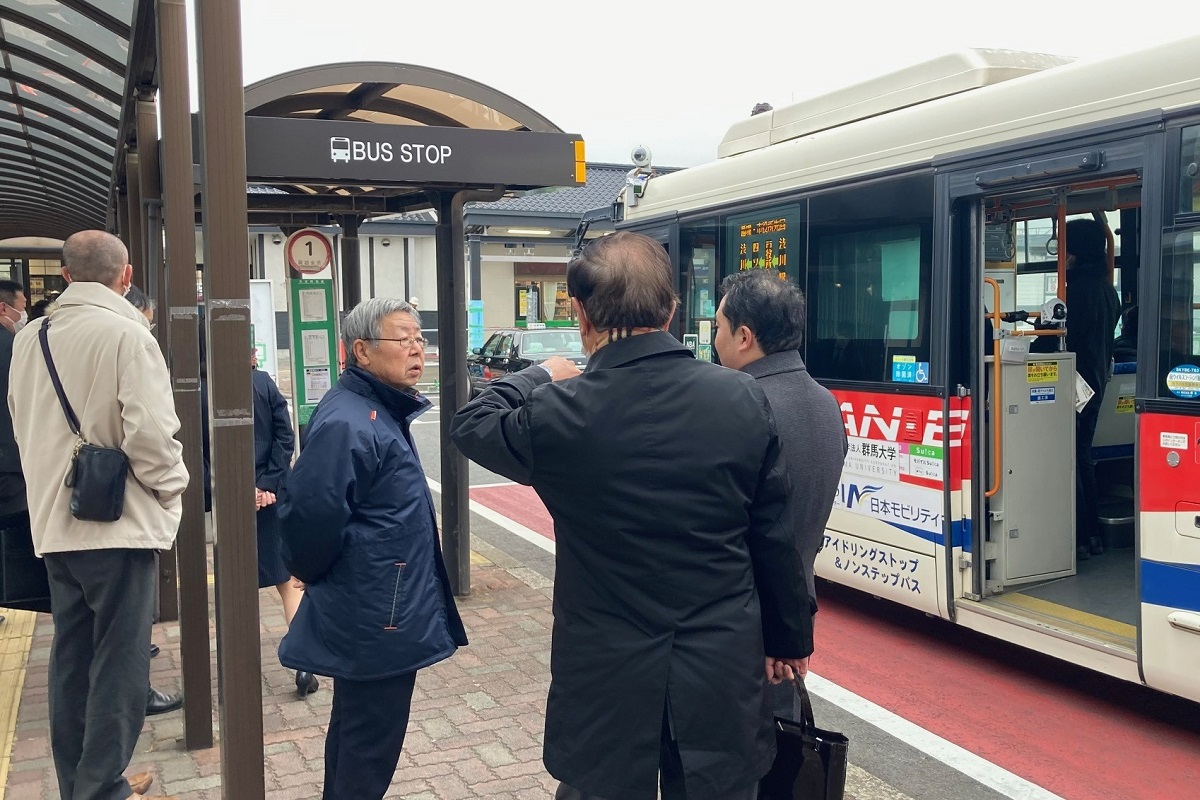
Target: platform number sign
309 251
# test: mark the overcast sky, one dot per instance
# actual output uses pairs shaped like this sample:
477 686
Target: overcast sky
674 75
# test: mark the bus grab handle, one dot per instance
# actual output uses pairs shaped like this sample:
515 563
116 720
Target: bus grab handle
996 404
1184 621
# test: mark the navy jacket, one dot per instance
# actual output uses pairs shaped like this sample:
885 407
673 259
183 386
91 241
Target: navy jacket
358 527
274 442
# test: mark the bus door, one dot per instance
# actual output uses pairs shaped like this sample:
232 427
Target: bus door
1169 432
1024 562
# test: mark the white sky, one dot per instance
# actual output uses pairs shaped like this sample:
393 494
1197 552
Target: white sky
674 75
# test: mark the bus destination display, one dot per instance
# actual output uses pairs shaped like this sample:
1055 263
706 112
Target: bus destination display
766 240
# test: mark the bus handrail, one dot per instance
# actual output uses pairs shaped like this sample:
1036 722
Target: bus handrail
996 405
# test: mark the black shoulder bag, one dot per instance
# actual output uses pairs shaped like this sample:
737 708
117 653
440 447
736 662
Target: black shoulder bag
97 474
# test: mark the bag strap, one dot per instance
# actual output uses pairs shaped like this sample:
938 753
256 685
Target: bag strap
806 709
72 420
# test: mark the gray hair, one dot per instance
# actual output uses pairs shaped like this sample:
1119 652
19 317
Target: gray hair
94 257
366 322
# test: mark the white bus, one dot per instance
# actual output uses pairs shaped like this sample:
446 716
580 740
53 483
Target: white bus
909 207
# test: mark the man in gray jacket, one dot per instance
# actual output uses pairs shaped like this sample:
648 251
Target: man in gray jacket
760 327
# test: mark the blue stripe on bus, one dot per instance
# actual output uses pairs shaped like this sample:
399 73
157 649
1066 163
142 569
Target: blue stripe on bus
1125 368
1171 585
1110 451
958 535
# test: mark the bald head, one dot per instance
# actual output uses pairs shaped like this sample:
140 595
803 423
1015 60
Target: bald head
95 257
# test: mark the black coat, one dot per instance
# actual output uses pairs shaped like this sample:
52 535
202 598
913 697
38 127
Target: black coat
274 442
1093 309
676 566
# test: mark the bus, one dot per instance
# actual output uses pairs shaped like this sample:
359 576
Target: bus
923 213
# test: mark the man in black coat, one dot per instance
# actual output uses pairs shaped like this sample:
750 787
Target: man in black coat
678 576
1093 309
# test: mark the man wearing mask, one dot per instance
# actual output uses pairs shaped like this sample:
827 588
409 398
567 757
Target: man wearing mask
678 582
12 483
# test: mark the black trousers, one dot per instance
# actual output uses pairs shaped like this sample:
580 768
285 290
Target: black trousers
103 603
670 775
366 731
1087 496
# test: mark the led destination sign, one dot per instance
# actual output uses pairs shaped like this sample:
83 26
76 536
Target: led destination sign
355 153
765 240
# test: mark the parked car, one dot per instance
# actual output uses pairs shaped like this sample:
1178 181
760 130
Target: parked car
512 349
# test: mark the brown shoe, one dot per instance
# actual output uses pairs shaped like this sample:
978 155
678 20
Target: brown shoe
140 783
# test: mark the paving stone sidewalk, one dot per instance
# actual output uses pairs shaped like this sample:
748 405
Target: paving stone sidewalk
475 730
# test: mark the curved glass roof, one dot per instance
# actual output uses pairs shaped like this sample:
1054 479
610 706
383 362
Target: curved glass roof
62 76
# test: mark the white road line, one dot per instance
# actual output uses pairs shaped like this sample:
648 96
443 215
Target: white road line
950 754
515 528
492 485
973 766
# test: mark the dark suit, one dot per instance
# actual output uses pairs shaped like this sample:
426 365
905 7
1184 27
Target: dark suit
273 448
677 568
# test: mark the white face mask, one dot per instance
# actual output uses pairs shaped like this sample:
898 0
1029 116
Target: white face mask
21 320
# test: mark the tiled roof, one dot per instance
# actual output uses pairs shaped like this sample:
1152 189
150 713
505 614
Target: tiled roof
604 183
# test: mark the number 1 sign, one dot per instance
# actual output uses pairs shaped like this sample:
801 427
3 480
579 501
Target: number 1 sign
309 251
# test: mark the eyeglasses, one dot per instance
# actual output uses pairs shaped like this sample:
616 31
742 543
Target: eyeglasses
405 341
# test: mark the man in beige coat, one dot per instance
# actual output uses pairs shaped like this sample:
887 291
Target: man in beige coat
102 574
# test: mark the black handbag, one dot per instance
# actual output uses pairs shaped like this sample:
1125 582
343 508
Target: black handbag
810 763
97 475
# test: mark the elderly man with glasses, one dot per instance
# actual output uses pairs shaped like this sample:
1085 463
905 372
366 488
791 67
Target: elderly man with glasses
358 529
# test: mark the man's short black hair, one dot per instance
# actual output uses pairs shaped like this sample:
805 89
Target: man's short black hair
9 291
772 308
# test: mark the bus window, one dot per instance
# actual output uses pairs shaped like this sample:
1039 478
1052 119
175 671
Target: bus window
1189 167
869 282
1179 334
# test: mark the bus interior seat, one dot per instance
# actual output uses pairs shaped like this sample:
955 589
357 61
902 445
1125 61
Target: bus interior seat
1112 450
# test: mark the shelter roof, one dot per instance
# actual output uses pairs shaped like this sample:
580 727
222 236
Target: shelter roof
64 71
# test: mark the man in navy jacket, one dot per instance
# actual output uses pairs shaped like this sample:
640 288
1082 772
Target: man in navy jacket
358 529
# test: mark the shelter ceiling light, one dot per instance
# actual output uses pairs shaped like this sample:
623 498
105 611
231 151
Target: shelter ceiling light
529 231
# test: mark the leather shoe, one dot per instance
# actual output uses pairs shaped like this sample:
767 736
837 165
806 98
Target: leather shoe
153 650
1096 546
140 783
306 683
160 703
1082 554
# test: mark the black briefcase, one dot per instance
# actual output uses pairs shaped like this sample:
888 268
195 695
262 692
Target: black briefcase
23 580
810 763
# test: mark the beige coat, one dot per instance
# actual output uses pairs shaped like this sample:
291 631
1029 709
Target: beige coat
116 380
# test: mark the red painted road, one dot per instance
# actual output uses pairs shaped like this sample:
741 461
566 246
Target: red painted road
1076 733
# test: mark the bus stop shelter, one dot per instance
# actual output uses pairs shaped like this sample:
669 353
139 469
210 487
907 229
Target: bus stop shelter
88 85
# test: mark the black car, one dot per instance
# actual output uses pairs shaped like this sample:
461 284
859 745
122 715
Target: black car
511 349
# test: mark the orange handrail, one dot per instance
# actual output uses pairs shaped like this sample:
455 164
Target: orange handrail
996 404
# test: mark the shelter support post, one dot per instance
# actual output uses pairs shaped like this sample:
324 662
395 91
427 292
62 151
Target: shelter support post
351 269
227 301
121 202
133 216
180 315
452 374
476 267
150 188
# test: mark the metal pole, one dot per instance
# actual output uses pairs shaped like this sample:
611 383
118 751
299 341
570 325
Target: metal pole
452 374
133 199
227 298
180 315
150 189
476 270
351 271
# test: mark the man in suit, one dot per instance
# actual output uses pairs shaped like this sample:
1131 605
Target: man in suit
760 327
677 569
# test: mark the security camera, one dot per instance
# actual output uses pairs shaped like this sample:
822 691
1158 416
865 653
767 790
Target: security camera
640 156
